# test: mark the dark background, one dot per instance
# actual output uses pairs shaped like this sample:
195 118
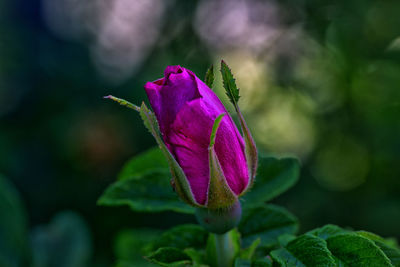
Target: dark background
319 80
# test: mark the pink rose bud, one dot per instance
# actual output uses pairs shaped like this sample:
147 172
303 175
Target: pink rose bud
186 110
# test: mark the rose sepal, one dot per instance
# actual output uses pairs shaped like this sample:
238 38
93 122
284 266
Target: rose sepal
250 146
180 181
223 210
250 149
220 195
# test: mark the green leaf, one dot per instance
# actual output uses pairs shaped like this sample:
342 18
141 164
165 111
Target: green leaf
332 231
182 236
388 246
209 79
306 250
249 252
150 193
13 226
274 176
65 242
392 252
374 237
242 263
266 222
327 231
169 257
197 256
354 250
149 160
122 263
131 245
285 239
229 83
265 262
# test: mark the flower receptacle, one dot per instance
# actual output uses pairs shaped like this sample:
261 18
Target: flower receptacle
219 221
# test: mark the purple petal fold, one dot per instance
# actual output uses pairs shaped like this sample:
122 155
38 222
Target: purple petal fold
168 95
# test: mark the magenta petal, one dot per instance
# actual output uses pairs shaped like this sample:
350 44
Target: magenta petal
153 93
173 70
189 139
169 97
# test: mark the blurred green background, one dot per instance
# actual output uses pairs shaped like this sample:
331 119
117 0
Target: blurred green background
319 80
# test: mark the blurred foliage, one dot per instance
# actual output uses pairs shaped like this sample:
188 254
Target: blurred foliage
13 227
318 79
66 242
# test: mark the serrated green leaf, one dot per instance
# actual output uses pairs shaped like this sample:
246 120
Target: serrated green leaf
209 79
182 236
374 237
131 245
149 160
306 250
181 183
392 252
387 247
13 226
150 193
266 222
354 250
327 231
64 242
229 83
169 257
274 176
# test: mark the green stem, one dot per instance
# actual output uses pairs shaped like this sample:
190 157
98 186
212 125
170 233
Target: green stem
224 251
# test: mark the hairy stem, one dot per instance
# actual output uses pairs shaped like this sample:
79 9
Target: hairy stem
225 252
